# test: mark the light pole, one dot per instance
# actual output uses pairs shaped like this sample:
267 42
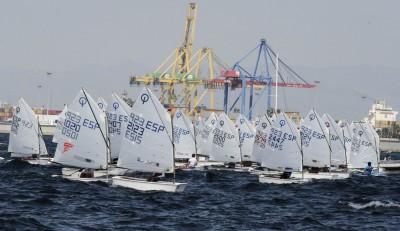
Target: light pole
39 86
49 74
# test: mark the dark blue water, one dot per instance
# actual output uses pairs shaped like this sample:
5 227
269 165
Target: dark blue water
30 199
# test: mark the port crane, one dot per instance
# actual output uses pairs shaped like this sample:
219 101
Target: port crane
260 75
184 68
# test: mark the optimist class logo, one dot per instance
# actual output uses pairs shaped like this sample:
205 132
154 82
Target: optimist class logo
67 147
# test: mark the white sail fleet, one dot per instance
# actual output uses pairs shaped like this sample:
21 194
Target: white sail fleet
111 141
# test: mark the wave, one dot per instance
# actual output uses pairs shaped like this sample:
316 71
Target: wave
375 204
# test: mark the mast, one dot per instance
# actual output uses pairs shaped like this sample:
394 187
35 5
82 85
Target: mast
173 145
240 148
108 147
38 135
195 140
345 149
302 156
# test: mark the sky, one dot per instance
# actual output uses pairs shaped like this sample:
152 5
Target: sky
351 47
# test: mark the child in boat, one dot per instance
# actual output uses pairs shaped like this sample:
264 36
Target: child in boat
192 162
368 169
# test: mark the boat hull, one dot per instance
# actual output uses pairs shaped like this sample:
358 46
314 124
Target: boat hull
322 175
275 179
144 185
41 161
390 167
98 175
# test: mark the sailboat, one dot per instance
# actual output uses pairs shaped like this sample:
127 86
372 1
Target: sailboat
225 146
338 153
363 147
260 139
26 137
183 132
148 146
204 146
82 140
283 154
316 149
246 137
117 117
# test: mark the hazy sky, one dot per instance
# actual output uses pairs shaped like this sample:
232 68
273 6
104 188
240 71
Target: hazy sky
347 45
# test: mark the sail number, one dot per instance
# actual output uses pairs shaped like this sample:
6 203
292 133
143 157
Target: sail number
177 132
276 138
17 121
220 136
115 121
137 126
307 134
260 139
73 123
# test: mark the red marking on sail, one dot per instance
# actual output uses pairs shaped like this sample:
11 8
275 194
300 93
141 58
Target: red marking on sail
67 147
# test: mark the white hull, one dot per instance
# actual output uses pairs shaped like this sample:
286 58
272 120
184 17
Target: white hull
275 179
93 179
98 175
323 175
144 185
210 164
390 167
40 161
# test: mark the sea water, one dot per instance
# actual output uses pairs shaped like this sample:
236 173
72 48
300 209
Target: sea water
31 199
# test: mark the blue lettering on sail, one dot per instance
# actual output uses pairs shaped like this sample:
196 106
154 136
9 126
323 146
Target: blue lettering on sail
17 122
277 138
220 137
177 132
115 121
137 125
307 134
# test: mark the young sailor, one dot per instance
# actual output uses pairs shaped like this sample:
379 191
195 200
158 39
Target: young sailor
368 169
192 162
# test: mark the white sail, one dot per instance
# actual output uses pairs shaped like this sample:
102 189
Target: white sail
225 142
102 104
283 145
26 137
375 136
316 151
81 140
147 143
204 147
117 118
247 134
347 135
198 130
338 156
260 139
183 135
58 130
362 147
256 121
